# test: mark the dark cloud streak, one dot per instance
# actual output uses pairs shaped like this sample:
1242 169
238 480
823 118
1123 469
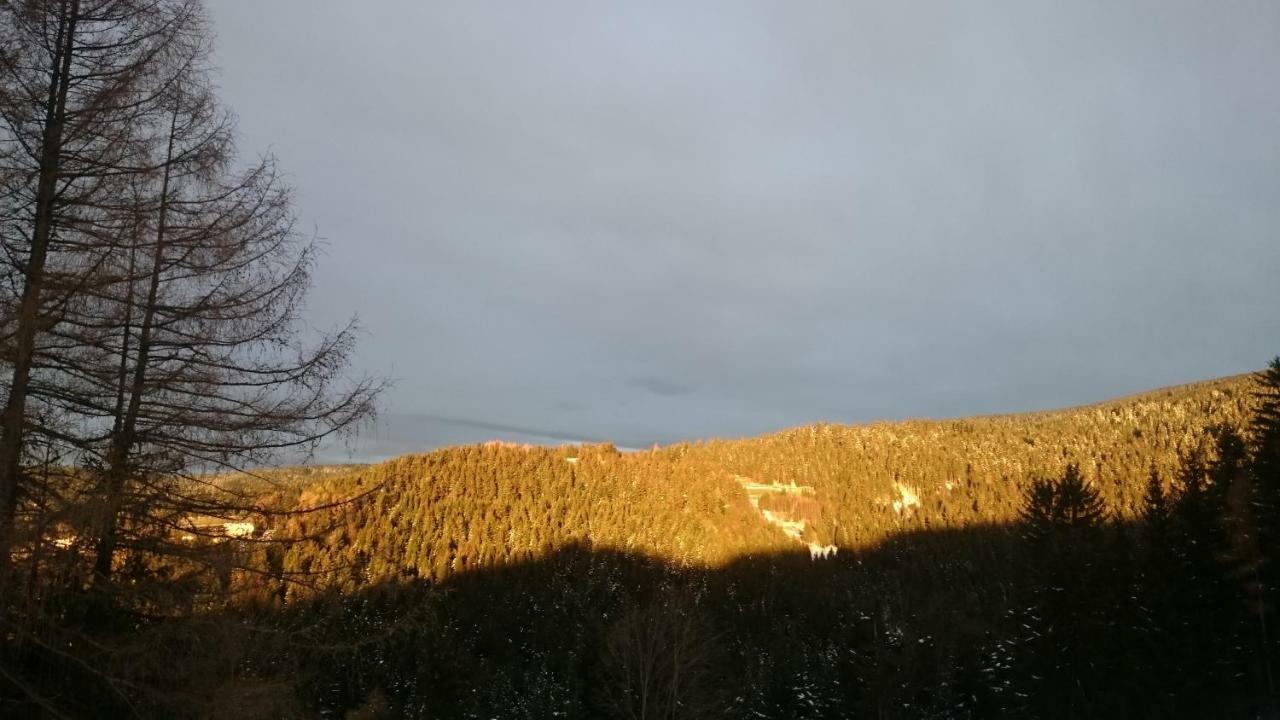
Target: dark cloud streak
499 428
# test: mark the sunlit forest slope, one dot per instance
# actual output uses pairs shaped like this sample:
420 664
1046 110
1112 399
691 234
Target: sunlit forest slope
472 507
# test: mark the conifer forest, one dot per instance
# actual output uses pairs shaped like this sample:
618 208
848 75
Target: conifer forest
172 545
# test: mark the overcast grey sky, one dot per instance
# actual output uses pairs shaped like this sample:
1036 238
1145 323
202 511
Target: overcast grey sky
649 221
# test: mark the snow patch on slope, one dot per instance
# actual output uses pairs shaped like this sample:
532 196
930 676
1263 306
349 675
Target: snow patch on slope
792 528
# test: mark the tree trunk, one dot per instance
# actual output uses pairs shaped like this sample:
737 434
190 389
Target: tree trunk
12 421
124 435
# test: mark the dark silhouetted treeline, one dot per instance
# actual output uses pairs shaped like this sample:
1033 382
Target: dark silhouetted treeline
510 582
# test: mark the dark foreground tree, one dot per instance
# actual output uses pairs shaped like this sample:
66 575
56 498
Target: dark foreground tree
1261 530
80 80
1066 502
153 332
209 369
1077 603
662 660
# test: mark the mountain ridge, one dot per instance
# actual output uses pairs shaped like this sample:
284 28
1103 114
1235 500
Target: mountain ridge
466 507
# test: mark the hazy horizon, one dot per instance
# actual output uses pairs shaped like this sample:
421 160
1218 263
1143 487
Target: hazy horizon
404 434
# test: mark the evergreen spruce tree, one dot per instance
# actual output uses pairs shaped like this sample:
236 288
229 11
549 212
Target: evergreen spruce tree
1052 505
1155 507
1205 617
1157 614
1063 517
1264 476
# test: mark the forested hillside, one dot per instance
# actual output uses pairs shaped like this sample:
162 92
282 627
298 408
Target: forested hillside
467 508
1109 560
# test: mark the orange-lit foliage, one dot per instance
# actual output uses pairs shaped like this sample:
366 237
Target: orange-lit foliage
458 509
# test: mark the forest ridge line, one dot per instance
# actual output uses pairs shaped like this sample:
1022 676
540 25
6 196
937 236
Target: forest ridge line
1163 392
